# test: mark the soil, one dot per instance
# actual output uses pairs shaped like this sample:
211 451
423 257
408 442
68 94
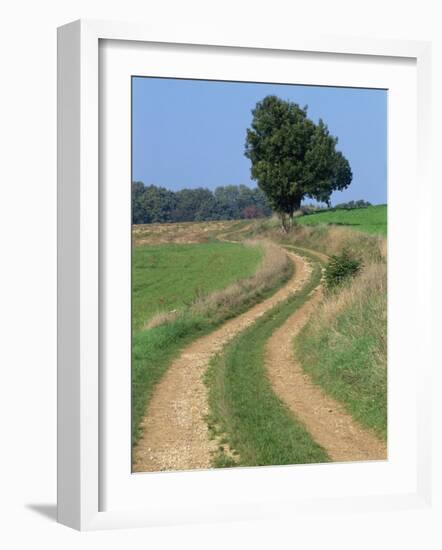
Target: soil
175 435
324 418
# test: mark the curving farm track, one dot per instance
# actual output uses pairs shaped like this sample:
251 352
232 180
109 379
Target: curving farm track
174 431
175 435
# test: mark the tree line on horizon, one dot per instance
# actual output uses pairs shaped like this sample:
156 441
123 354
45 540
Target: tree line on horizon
292 159
154 204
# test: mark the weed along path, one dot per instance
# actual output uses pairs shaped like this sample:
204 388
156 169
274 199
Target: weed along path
324 418
174 431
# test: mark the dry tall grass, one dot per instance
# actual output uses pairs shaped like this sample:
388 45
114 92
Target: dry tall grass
366 295
370 286
327 239
223 303
183 232
344 347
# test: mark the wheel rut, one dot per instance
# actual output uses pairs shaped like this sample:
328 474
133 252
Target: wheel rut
175 435
324 418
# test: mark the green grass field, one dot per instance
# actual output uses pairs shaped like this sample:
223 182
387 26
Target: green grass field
369 220
343 347
171 276
245 412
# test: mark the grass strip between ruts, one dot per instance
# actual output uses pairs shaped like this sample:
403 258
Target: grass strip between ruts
244 412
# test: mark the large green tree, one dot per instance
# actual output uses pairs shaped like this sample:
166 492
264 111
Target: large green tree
292 157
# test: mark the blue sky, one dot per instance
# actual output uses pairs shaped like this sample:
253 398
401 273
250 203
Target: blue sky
191 133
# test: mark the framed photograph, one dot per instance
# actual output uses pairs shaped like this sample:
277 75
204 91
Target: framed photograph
232 336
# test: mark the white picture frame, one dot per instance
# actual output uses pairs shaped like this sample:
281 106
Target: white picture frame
80 437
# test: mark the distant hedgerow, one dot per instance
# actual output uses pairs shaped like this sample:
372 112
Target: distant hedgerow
340 268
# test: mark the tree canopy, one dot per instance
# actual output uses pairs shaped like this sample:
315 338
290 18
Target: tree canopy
292 157
153 204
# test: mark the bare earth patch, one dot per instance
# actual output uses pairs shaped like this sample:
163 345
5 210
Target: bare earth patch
178 233
175 435
325 419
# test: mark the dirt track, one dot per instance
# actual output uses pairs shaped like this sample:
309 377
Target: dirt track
324 418
174 432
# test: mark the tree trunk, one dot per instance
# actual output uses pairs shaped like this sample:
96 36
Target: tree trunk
287 218
284 223
291 220
296 207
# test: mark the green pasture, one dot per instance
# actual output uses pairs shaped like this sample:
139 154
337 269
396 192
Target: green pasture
369 220
170 276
